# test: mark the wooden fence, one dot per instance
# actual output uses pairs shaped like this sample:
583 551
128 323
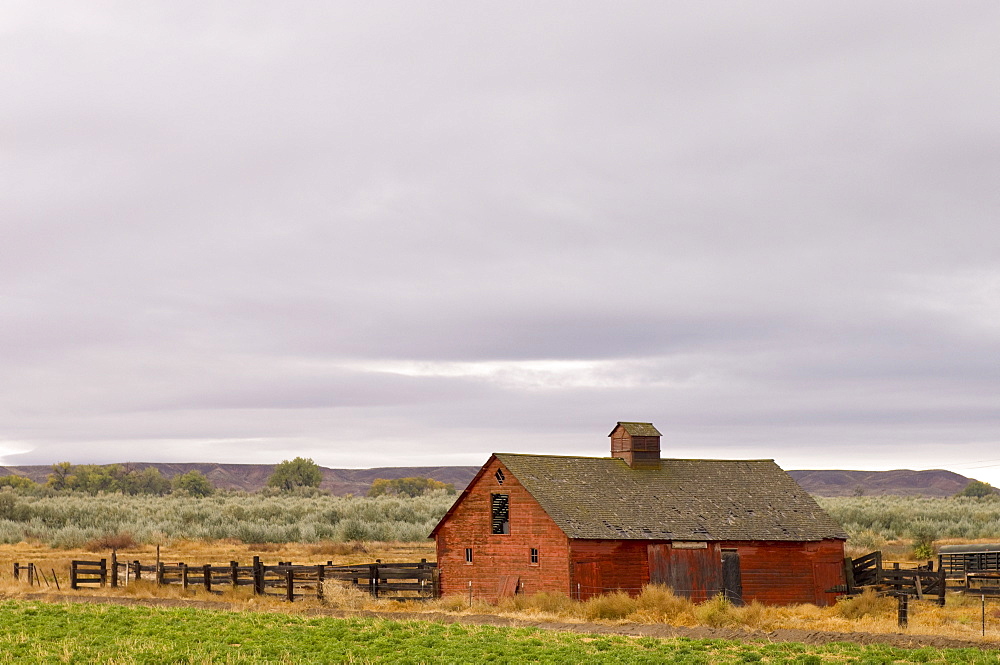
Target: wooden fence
869 572
396 581
88 573
35 575
976 573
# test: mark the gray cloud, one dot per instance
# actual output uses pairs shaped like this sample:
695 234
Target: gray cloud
393 234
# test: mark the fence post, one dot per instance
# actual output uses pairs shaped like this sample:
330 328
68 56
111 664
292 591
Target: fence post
31 574
17 570
138 570
849 574
373 579
234 573
290 581
184 575
114 569
258 576
72 576
159 572
902 613
104 572
207 574
320 578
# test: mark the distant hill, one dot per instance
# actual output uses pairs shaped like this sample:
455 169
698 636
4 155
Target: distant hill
252 477
900 482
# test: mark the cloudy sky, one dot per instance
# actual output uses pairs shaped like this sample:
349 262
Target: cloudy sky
396 233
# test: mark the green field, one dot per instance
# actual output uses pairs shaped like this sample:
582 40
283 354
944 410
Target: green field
32 632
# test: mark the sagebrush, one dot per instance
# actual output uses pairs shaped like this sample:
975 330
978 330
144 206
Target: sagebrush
77 520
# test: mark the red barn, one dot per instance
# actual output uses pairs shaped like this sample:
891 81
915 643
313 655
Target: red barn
586 525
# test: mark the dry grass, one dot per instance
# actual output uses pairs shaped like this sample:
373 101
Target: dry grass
331 549
656 604
614 605
545 604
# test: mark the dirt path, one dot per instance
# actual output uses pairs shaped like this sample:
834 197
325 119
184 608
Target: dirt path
633 629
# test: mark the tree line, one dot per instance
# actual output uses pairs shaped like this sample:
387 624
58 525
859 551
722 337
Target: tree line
113 479
296 475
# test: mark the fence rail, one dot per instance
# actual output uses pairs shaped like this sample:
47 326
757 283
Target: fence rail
88 573
396 581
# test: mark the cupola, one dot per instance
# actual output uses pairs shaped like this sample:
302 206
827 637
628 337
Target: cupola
636 443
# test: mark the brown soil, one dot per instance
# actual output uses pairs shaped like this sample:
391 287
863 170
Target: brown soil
632 629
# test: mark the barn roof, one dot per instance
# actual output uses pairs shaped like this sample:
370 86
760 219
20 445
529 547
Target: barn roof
603 498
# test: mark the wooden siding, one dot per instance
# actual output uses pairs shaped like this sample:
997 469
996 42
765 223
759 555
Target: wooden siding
783 573
498 560
692 573
601 566
773 573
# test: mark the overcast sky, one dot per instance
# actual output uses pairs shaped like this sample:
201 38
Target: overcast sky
382 234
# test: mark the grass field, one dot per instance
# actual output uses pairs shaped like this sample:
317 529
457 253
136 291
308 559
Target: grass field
39 632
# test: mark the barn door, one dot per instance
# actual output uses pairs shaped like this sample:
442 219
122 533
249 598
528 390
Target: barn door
659 564
732 579
827 575
587 575
692 570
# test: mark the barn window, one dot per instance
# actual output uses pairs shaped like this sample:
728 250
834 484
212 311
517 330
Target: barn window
500 511
534 555
499 476
468 555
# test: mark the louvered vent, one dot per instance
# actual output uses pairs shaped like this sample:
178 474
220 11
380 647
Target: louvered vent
500 509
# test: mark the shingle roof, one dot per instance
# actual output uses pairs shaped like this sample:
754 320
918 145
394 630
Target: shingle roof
603 498
638 429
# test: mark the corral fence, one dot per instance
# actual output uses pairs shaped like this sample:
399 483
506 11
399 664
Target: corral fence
35 575
920 581
969 569
393 581
972 569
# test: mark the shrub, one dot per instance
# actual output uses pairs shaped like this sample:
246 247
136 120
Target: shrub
411 487
70 519
659 603
866 604
924 535
892 516
12 509
756 615
717 612
18 482
867 540
615 605
977 489
111 541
